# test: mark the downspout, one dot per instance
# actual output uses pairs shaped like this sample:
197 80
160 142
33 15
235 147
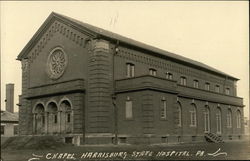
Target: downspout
116 50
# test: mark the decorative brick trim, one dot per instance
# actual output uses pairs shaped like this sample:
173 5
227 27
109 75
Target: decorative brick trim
56 27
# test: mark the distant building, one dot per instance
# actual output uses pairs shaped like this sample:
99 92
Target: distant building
9 119
9 123
96 86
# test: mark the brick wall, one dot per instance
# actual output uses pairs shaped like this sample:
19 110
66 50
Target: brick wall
99 109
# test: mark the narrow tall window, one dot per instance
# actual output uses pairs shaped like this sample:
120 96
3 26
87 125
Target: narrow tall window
130 70
43 119
183 81
196 84
2 129
55 118
228 91
207 86
229 118
179 115
238 119
217 88
207 119
169 75
152 72
218 120
163 108
68 117
129 109
193 116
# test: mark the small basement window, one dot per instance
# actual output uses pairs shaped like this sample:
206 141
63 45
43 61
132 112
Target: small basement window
179 138
68 140
164 139
123 140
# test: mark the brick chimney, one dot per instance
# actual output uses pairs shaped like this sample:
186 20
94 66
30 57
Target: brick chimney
9 97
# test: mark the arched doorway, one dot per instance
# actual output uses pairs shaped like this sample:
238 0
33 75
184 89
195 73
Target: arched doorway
38 119
206 119
52 118
66 117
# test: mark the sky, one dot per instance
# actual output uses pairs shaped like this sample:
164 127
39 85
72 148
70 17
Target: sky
215 33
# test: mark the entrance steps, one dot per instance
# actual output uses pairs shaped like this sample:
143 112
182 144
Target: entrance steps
211 137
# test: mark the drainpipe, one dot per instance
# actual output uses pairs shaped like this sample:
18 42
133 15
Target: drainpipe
116 50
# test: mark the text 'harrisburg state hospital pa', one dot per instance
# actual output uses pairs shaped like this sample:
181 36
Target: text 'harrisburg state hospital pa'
97 87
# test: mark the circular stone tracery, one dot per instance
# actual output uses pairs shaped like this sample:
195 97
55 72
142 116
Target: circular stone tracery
57 63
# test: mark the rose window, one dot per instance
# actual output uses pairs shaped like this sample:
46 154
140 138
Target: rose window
57 63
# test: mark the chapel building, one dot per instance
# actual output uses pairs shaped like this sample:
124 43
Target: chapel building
97 87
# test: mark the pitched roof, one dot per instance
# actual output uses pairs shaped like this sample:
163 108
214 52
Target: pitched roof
9 117
99 32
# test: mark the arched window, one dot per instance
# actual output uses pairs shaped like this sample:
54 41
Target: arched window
169 75
183 81
238 115
207 119
217 88
152 71
179 115
207 86
229 118
218 120
192 111
196 84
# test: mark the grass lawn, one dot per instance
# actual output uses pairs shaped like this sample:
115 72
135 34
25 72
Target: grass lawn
198 151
